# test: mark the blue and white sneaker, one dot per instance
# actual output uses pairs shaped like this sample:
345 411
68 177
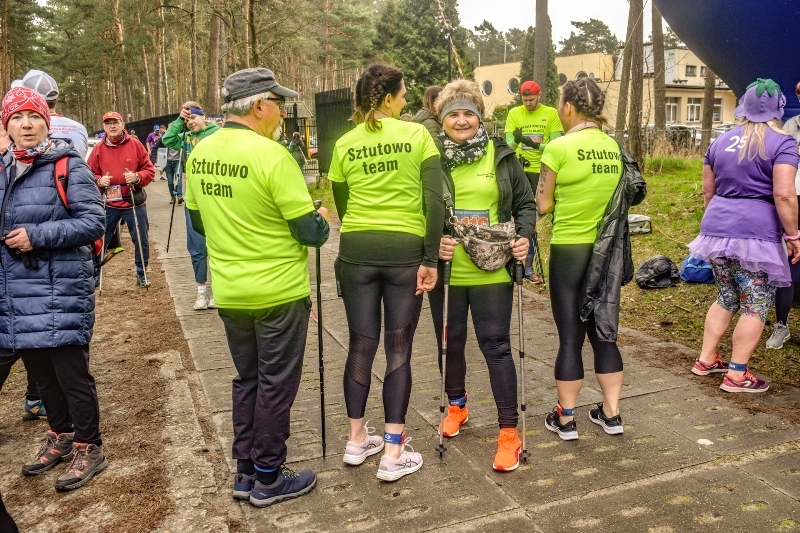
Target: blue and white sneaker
242 486
290 484
33 410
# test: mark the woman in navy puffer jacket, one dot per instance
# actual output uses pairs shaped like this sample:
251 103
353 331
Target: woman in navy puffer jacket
47 284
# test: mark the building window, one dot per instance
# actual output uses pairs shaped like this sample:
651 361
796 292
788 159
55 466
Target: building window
691 71
693 109
513 86
562 79
702 72
580 75
717 110
672 109
486 88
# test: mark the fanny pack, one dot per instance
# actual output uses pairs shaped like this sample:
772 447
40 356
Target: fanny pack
488 247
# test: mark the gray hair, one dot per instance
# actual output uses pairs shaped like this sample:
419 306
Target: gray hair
242 106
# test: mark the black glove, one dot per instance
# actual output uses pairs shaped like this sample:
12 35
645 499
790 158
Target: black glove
527 141
517 135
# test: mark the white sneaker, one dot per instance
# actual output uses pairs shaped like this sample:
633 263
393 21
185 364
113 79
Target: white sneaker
211 303
355 453
408 463
779 336
201 303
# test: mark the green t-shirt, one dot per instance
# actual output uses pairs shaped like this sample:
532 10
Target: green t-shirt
382 170
537 125
246 187
588 167
477 198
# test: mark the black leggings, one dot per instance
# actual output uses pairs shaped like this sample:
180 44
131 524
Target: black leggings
491 315
568 264
363 289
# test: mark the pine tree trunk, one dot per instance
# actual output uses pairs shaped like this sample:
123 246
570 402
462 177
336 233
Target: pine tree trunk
251 27
6 71
247 33
708 109
194 49
625 79
148 86
212 72
659 81
637 86
160 81
541 44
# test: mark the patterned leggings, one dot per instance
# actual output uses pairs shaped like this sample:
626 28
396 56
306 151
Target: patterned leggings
743 289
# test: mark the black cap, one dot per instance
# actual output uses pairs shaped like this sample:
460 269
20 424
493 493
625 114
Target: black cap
251 81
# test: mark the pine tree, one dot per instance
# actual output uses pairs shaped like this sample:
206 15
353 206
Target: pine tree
526 70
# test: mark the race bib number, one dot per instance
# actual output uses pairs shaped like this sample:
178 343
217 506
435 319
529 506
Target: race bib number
114 193
536 137
477 218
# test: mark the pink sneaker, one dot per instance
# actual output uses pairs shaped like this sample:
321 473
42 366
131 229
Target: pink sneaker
748 383
356 453
408 463
703 369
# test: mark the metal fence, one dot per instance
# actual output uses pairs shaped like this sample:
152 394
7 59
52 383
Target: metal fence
334 109
306 126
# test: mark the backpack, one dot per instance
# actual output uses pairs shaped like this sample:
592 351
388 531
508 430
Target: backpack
658 272
695 270
61 176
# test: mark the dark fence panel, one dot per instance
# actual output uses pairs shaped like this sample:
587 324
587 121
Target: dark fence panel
334 109
145 126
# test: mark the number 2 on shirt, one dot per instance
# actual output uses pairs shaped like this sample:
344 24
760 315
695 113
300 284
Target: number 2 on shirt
737 144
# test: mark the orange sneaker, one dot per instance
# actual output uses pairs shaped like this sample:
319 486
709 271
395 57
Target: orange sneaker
456 417
508 447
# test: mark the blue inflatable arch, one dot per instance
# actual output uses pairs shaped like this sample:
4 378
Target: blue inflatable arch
741 40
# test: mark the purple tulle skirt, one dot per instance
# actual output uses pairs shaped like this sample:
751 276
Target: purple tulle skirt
753 254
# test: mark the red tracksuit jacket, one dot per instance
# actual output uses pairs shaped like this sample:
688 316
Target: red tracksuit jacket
114 159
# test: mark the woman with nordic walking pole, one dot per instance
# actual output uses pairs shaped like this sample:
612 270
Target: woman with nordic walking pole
387 185
488 187
589 254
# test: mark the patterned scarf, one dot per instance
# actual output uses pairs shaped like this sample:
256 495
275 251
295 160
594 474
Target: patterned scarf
26 156
116 141
466 152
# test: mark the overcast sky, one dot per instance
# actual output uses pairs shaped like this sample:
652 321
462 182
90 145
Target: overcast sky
505 14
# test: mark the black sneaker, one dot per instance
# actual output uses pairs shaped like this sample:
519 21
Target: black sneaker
180 200
612 426
141 281
290 484
55 449
568 431
242 486
88 461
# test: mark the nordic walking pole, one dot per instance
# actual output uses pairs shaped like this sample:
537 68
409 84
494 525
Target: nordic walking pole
448 202
180 173
317 204
138 236
102 253
519 270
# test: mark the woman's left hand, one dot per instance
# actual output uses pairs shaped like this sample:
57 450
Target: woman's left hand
18 239
519 248
792 246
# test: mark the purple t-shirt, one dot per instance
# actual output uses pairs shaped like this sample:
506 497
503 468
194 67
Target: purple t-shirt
742 206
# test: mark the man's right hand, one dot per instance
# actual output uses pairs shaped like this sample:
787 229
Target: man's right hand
105 180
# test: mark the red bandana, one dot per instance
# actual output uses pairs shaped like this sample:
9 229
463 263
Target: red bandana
24 99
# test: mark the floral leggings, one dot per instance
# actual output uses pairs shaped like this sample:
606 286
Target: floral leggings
743 289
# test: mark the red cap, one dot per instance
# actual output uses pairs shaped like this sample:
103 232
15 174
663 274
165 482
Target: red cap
531 86
112 115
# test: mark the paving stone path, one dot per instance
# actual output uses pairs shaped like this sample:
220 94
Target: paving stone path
687 461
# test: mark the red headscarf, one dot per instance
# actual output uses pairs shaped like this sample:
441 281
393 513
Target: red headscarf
24 99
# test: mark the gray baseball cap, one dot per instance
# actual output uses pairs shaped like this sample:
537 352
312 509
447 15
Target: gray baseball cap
251 81
41 82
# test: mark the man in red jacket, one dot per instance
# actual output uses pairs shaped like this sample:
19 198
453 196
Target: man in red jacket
122 168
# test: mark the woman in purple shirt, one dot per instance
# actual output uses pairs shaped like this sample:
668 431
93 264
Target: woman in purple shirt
751 210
